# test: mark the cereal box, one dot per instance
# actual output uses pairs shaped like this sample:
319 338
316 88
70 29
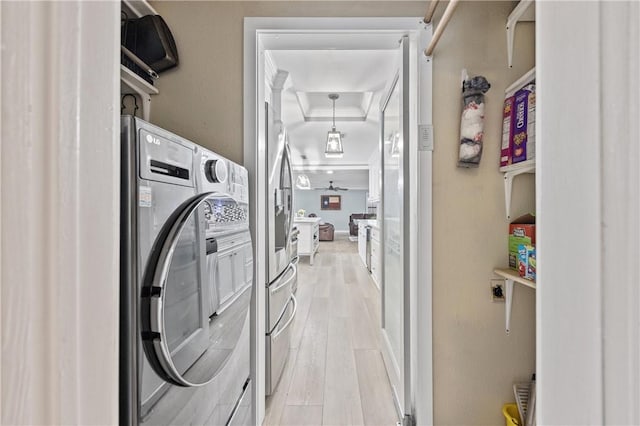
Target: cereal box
507 131
524 118
522 231
527 262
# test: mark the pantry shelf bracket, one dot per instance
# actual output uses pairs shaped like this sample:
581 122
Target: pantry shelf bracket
523 12
508 299
508 183
511 29
510 277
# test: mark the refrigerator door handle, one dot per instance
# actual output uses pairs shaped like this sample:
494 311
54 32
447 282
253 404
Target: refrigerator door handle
289 321
292 267
279 199
290 172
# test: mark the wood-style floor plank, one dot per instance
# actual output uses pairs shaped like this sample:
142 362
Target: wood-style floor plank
302 415
377 400
339 305
321 277
362 326
341 392
335 374
307 382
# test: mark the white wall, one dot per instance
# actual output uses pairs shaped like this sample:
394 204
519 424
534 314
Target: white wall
59 197
588 352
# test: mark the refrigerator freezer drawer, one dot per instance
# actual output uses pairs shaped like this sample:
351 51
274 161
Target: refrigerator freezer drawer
277 347
278 295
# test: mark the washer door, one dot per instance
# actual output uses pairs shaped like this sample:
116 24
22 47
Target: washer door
184 345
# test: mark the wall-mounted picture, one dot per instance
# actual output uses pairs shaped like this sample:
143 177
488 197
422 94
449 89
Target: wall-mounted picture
330 202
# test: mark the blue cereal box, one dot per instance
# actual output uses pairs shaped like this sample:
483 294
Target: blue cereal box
527 262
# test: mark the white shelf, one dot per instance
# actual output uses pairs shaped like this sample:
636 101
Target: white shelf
527 78
510 276
130 82
529 166
525 11
134 84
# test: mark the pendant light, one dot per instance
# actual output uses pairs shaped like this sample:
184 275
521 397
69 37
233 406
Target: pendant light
303 182
334 138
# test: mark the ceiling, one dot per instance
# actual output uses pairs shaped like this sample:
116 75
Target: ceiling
361 77
352 179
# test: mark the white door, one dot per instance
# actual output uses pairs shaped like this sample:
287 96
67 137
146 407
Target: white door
395 227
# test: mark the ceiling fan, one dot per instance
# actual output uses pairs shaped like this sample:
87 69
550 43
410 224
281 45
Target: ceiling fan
333 188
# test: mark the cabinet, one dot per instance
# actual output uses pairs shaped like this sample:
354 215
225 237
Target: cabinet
362 241
130 83
235 269
309 236
374 244
375 255
374 176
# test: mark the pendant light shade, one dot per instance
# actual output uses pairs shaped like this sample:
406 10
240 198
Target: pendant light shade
303 182
334 137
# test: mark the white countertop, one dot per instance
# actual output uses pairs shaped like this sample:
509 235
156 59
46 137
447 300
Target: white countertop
307 219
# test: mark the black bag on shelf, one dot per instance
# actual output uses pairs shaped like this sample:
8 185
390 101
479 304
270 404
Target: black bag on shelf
150 39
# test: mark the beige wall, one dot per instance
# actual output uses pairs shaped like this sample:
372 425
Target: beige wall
475 363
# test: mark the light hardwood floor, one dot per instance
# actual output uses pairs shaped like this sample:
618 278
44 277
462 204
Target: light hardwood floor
335 374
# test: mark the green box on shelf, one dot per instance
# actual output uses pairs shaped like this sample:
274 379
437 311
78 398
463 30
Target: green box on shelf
522 231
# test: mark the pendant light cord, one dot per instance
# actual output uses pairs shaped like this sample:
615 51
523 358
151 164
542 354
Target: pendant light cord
333 97
334 114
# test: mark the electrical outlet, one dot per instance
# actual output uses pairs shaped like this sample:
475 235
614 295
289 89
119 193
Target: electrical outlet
497 290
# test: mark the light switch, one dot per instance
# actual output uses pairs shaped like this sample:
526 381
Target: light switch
425 137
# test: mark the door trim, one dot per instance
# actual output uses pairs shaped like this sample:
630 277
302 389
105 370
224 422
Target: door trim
255 31
60 155
400 372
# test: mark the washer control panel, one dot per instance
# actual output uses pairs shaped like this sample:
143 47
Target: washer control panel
224 176
216 171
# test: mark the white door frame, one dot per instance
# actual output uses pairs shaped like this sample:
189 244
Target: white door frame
588 322
255 30
59 199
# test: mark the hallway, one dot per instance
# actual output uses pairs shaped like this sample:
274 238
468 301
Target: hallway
335 374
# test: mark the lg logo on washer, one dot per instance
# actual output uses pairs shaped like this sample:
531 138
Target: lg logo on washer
151 139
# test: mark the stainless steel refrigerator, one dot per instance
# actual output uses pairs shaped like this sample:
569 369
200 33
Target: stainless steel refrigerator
282 272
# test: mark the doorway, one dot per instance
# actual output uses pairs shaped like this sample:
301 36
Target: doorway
413 387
